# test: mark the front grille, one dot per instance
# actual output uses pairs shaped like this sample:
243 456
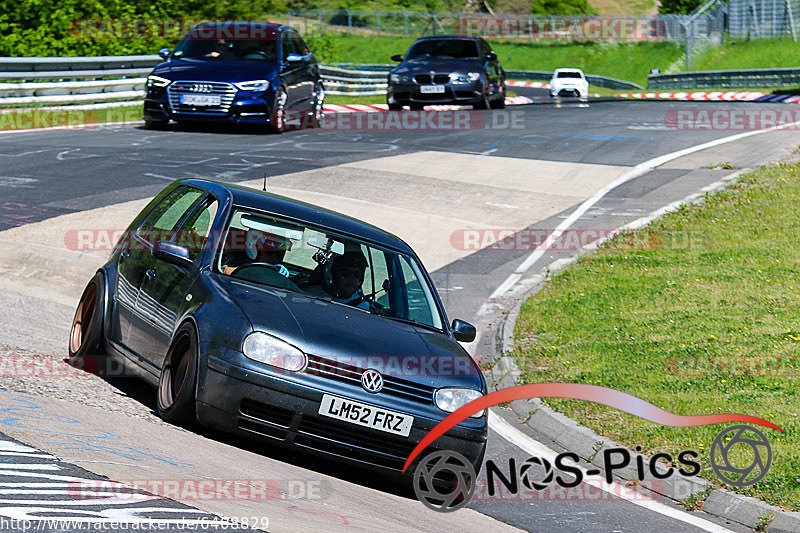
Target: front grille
268 413
439 79
351 441
224 90
345 373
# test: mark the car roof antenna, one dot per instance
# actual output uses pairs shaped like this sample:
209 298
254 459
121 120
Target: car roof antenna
265 182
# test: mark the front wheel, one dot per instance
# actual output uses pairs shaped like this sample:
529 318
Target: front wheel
86 343
318 108
395 107
151 124
176 387
277 121
484 102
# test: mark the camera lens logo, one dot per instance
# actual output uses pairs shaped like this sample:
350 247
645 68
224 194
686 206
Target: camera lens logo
736 437
526 473
444 481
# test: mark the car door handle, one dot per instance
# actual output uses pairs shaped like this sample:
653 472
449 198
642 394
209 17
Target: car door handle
150 274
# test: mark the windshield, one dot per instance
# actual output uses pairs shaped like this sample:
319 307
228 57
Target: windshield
443 49
292 256
227 49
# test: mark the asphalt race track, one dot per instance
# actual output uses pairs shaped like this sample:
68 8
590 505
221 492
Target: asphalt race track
526 167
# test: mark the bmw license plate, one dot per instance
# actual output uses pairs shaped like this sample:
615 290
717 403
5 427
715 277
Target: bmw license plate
365 415
200 99
432 89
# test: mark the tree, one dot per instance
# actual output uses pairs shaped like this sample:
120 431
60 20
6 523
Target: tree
562 7
668 7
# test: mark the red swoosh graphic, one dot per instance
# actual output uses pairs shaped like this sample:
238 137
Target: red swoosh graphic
591 393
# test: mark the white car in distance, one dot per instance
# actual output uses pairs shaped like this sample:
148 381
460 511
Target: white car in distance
569 82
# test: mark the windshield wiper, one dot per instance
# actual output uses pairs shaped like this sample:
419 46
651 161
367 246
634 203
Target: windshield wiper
414 323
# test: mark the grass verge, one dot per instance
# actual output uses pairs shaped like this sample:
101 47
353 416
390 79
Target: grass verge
699 317
44 117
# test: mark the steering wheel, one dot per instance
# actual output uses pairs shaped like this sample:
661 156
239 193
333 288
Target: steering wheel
280 269
262 53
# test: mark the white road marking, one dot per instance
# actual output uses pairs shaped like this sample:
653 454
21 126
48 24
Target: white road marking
637 171
535 448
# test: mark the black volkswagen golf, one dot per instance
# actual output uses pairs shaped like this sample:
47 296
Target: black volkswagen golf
447 69
261 315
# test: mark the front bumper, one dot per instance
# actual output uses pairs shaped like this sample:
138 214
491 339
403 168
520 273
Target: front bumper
235 399
247 108
459 94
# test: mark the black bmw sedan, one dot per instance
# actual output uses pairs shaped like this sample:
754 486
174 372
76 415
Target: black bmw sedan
264 316
447 69
236 72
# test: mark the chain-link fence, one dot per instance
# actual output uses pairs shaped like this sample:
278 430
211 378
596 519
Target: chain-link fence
762 19
506 27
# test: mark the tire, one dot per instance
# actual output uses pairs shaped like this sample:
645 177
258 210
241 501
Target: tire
395 107
484 104
498 103
86 345
178 381
417 107
150 124
277 121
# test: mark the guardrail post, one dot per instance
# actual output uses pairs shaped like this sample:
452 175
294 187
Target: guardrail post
378 18
349 21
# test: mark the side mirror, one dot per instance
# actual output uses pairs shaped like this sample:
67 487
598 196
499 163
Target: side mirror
397 57
463 331
491 56
173 253
294 58
164 53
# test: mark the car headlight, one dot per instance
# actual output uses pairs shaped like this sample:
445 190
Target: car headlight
399 78
452 399
458 77
157 81
272 351
255 85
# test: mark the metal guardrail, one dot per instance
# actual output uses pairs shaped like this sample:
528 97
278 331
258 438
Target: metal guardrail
726 79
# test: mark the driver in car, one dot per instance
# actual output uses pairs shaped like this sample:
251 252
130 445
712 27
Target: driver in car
347 274
259 247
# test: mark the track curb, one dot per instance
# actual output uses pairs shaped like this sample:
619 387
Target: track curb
568 434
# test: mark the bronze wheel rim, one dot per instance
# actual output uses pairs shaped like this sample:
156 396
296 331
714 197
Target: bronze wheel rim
175 372
82 320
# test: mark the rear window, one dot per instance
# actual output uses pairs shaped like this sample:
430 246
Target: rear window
569 75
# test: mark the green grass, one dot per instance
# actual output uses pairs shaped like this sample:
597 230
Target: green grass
685 325
39 117
767 53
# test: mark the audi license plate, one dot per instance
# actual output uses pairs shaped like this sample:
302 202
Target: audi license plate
432 89
365 415
200 99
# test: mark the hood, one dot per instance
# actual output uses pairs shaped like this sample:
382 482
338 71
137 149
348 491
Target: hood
439 66
339 331
213 70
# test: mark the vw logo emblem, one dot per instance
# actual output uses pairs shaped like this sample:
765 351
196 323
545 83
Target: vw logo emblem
372 381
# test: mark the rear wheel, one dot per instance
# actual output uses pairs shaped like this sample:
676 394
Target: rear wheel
86 343
176 387
318 108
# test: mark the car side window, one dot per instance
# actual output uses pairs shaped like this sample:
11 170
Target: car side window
164 219
195 230
485 48
300 46
288 45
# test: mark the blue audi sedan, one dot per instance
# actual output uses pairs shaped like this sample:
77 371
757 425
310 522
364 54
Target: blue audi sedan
236 72
268 317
